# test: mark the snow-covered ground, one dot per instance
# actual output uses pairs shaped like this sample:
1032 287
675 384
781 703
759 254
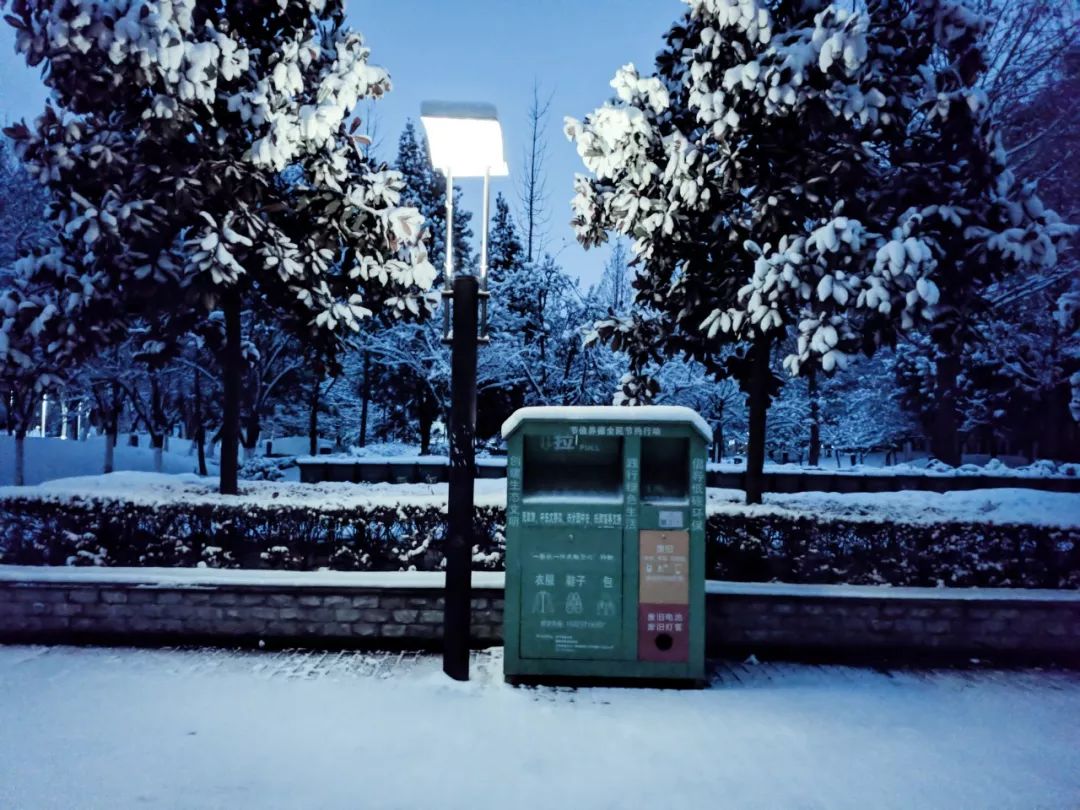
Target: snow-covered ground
51 458
1005 505
83 729
291 445
1044 468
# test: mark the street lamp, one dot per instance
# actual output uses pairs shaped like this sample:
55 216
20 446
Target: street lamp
465 140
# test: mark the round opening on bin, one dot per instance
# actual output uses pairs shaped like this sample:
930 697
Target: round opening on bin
664 642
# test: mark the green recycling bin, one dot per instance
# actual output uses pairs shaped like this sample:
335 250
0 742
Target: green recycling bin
605 544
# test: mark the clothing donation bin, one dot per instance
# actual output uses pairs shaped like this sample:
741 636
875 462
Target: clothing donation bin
605 544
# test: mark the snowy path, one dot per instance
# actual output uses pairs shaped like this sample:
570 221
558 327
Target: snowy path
100 728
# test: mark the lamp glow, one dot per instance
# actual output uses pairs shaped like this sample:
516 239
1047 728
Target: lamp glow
464 139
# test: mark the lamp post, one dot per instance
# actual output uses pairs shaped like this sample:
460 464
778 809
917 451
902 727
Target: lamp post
465 140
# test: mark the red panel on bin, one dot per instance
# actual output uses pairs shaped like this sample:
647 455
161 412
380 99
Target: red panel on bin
663 632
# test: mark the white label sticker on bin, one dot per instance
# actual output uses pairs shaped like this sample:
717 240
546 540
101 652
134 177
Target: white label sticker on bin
671 519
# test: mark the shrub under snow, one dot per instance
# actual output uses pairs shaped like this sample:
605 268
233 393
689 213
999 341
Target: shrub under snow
281 531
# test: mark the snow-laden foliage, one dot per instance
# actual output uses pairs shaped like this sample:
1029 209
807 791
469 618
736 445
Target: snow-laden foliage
193 149
809 167
22 209
30 325
201 160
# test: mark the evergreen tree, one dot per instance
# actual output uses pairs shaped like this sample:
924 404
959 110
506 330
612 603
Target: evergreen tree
410 370
506 254
425 190
23 200
614 290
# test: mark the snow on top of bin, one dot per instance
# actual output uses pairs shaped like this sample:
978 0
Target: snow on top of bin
664 414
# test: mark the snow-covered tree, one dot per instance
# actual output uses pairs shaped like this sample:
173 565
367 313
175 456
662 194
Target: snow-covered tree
714 166
23 220
532 178
808 169
425 190
157 399
30 323
413 377
506 253
614 291
200 157
273 360
957 195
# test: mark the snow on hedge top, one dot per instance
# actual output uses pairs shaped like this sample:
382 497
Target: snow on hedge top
1004 505
665 414
1012 506
158 489
230 577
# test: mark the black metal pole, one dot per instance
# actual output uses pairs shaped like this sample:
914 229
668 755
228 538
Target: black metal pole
459 542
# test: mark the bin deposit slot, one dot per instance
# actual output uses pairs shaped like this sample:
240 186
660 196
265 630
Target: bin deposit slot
665 470
572 468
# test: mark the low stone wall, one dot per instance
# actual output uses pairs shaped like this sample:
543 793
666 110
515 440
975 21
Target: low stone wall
130 607
174 606
873 623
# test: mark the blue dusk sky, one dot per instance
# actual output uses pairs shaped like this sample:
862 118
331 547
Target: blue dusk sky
477 50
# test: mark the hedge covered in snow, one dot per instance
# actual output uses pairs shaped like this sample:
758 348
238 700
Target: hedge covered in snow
383 536
805 549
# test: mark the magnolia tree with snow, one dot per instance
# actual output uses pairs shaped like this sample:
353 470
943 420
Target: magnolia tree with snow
30 329
201 158
803 169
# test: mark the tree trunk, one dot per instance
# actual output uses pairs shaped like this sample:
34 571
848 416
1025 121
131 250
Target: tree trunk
110 446
313 417
157 441
815 419
718 435
200 428
231 367
365 398
20 457
426 419
759 408
945 443
252 431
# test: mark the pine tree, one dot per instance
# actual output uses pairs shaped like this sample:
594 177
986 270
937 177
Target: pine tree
614 289
425 190
410 369
23 201
506 254
200 157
